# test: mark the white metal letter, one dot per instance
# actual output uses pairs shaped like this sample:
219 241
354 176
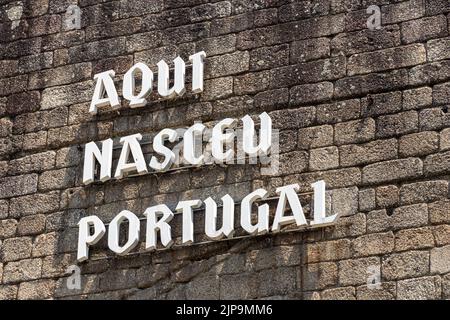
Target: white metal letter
160 148
129 85
92 153
131 143
219 139
197 71
163 78
104 84
85 238
320 218
153 225
185 207
288 193
249 138
189 148
263 213
133 232
227 228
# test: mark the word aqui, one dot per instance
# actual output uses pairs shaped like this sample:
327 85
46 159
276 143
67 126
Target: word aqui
92 229
105 93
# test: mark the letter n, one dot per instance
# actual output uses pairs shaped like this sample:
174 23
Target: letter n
104 157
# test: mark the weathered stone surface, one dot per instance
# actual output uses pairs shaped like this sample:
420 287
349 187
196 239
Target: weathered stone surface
31 225
205 287
370 83
315 137
446 287
437 163
309 49
293 118
367 200
397 124
344 293
386 59
238 285
428 191
34 163
269 57
424 29
34 204
278 282
440 260
411 239
417 98
397 12
365 40
23 270
426 288
218 88
8 292
373 244
311 93
406 265
60 76
354 131
217 45
16 248
403 217
383 103
354 225
17 186
392 170
66 95
324 158
418 144
328 251
357 154
386 291
228 64
441 235
319 276
339 112
45 244
356 271
344 201
39 289
8 228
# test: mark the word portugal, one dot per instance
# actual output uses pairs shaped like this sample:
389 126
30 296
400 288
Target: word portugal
92 229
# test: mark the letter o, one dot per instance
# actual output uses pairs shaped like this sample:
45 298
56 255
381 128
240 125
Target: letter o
133 232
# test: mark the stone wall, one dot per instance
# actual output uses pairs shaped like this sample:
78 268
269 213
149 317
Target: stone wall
367 111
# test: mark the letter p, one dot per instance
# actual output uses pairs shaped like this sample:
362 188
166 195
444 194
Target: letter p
85 238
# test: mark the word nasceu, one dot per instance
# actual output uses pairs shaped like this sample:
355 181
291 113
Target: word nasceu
92 229
220 143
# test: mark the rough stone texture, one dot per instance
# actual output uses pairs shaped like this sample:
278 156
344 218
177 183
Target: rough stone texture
405 265
366 111
427 288
440 260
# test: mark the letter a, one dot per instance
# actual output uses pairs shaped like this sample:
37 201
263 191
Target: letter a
105 84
